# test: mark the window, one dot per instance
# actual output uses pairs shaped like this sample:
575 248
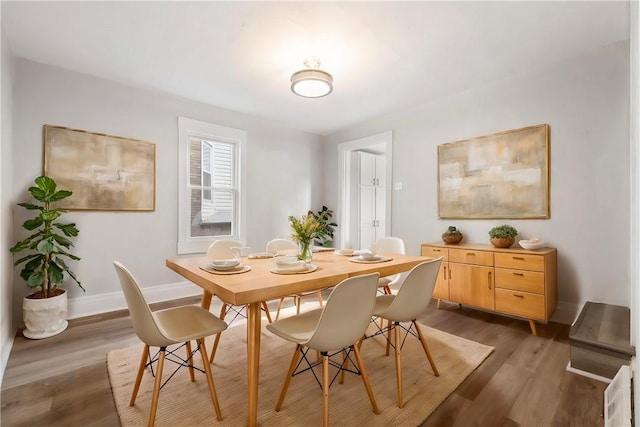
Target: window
211 200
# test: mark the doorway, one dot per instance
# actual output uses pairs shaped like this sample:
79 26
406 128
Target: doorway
357 227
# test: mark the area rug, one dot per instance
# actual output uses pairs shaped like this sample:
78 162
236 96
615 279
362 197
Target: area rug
183 403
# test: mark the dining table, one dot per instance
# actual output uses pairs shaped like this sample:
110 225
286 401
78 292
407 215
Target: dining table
258 280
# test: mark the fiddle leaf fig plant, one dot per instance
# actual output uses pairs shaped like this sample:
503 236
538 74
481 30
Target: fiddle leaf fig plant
48 245
325 233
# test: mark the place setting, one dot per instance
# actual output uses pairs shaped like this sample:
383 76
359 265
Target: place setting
225 266
368 257
291 265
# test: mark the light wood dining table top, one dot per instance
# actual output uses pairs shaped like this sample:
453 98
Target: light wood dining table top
260 284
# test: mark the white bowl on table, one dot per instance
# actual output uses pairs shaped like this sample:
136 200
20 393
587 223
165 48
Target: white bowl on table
531 244
289 263
366 255
224 264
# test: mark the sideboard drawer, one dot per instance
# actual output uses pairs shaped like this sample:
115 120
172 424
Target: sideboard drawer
520 280
467 256
518 303
434 252
520 261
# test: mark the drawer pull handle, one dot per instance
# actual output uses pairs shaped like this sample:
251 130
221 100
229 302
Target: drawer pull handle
470 253
519 258
518 296
489 279
518 274
435 250
445 273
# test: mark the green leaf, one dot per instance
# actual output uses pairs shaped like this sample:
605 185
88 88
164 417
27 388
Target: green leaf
46 184
50 215
27 258
35 280
59 195
68 229
38 194
32 224
30 206
56 276
45 247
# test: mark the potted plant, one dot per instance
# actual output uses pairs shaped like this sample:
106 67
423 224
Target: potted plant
452 236
502 236
45 310
325 234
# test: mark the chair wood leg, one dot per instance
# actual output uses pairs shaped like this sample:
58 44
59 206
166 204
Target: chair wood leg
265 307
287 380
210 383
365 379
325 390
216 341
320 300
190 362
136 386
298 303
279 307
423 341
156 388
398 366
387 290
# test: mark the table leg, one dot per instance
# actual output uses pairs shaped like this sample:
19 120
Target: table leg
205 302
254 317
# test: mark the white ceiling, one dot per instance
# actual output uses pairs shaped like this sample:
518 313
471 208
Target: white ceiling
384 56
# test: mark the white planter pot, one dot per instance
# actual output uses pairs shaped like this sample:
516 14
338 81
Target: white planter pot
44 317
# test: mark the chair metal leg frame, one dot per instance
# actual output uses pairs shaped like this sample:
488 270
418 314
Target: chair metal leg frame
160 357
325 384
171 356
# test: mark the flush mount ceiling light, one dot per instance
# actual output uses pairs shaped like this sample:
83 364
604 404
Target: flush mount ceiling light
311 82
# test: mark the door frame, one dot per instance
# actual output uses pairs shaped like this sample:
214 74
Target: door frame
344 175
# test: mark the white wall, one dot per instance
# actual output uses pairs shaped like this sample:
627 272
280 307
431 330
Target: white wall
635 193
7 330
586 103
143 240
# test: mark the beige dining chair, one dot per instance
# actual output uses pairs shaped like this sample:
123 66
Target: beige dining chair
412 299
284 246
164 328
332 330
389 246
221 249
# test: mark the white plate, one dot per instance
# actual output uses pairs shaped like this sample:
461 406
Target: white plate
261 255
375 259
236 270
345 252
308 269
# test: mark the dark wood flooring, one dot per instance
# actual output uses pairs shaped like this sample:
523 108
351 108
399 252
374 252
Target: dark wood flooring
62 381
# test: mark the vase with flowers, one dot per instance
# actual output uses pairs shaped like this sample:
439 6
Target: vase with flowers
303 231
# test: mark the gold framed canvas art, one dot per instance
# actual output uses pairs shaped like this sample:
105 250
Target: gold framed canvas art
504 175
104 172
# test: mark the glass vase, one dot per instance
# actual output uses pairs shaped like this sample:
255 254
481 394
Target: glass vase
305 250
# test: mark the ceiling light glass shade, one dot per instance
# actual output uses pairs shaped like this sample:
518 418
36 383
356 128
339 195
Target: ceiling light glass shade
311 83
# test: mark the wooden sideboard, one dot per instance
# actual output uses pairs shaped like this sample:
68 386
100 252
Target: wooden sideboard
513 281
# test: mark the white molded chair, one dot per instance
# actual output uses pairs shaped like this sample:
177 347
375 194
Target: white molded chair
178 325
334 329
412 299
221 249
389 246
280 246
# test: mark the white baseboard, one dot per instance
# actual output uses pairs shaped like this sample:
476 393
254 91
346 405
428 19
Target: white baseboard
104 303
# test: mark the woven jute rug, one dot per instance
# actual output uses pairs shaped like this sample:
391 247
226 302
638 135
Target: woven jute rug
186 403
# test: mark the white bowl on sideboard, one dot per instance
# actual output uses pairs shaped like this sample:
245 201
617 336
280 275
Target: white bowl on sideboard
531 244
